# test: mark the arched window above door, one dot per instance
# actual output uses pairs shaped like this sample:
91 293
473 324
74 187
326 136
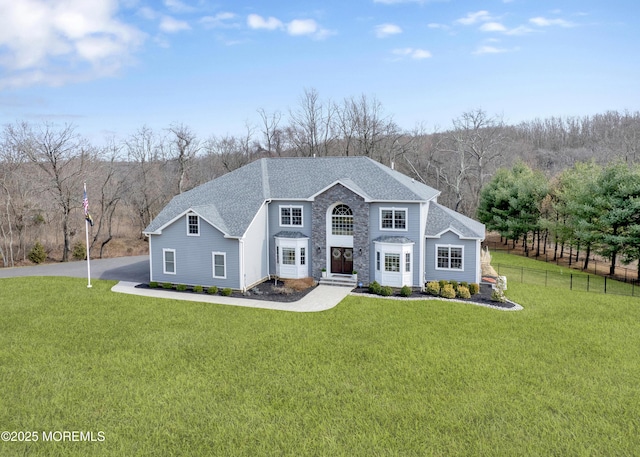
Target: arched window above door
342 220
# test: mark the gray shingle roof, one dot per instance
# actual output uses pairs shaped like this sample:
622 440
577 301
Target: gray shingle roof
231 201
440 218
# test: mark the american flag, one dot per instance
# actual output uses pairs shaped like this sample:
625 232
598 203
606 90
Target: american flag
85 205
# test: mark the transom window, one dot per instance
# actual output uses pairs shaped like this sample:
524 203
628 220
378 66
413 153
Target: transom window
342 220
291 216
193 225
393 219
449 257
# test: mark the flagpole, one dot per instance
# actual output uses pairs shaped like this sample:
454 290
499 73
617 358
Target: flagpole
86 231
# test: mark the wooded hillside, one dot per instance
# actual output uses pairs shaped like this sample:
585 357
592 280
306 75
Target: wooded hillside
44 165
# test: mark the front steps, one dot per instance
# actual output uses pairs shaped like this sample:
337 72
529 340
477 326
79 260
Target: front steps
339 280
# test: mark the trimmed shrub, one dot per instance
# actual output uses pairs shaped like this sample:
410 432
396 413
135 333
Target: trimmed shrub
474 288
386 291
454 284
37 254
443 283
226 291
79 251
374 288
433 288
181 287
167 285
464 283
448 291
406 291
153 284
463 292
212 290
197 289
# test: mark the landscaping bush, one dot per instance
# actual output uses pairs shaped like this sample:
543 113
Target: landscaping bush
37 254
226 291
386 291
212 290
167 285
448 291
153 284
464 283
181 287
474 288
463 292
433 288
443 283
79 251
406 291
197 289
374 288
454 284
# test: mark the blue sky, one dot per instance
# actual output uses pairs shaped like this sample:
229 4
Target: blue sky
111 66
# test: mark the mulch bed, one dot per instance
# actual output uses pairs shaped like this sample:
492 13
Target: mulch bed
271 291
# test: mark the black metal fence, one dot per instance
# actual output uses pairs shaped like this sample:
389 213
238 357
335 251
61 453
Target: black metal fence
567 280
596 265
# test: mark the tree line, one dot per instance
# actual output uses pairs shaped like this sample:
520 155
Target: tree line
44 165
586 207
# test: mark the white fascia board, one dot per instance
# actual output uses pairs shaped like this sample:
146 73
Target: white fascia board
181 215
342 183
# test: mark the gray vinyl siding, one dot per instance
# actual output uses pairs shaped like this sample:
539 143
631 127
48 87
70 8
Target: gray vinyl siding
469 259
414 232
255 249
275 227
194 263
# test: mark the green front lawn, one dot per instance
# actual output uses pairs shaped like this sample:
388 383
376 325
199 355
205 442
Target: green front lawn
369 377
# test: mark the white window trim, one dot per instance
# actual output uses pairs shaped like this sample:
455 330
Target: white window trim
164 261
393 229
449 246
198 219
213 264
291 207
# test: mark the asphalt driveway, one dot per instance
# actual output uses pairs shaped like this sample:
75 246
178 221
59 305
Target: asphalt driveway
132 269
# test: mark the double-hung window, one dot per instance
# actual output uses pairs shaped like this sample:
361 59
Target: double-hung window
219 265
169 261
393 219
290 216
449 257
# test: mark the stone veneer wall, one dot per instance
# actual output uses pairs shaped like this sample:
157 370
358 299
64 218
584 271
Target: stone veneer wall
360 208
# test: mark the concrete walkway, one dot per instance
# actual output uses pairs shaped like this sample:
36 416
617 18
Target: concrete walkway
319 299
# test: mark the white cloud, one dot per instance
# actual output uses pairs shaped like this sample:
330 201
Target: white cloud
178 7
172 25
489 50
257 22
434 25
544 22
474 18
297 27
219 20
385 30
59 41
492 27
302 27
416 54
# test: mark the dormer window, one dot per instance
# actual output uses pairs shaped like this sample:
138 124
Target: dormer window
193 225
